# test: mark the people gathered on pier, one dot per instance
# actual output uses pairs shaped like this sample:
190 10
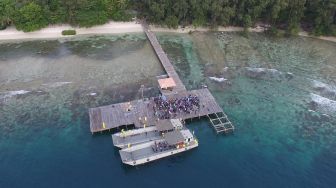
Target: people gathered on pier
169 108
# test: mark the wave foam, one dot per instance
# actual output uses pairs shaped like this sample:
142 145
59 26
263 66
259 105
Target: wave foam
323 86
262 72
56 84
325 104
217 79
325 89
9 94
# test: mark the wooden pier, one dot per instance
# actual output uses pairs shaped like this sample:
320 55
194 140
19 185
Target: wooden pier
140 113
134 112
169 68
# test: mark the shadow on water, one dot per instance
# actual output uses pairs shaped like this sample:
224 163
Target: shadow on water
12 51
112 131
104 49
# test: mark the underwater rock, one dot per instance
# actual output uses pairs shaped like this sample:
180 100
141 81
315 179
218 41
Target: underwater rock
289 75
255 72
263 73
234 101
325 89
225 69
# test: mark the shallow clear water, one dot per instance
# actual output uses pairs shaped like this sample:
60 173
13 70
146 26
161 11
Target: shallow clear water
279 93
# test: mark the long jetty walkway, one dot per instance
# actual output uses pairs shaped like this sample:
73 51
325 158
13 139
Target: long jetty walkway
140 112
169 68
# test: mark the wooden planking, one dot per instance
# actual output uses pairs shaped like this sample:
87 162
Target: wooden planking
116 115
167 65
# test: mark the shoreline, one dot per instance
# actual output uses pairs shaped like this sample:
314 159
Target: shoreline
325 38
55 31
205 29
257 29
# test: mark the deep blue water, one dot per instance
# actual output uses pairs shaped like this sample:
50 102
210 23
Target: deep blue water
284 137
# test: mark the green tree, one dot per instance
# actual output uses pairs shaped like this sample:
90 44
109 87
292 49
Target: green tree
198 11
156 12
30 17
55 12
172 22
322 12
89 18
116 9
317 16
7 11
295 14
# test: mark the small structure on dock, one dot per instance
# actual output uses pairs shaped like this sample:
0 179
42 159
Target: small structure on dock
167 84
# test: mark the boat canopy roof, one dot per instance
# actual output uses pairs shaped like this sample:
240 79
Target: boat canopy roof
187 134
164 125
174 137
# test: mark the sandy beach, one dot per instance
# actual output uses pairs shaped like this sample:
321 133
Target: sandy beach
55 31
306 34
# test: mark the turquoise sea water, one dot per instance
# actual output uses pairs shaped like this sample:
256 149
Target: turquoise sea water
279 93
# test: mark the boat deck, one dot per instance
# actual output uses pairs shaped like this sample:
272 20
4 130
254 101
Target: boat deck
122 142
144 153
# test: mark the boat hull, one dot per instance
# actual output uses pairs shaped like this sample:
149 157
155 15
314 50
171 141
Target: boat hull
160 155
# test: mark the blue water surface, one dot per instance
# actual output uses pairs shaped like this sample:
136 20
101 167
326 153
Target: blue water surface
284 137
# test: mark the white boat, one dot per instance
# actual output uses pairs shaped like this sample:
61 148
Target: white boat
136 136
171 143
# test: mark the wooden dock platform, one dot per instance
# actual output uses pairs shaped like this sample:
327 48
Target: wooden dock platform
140 113
134 112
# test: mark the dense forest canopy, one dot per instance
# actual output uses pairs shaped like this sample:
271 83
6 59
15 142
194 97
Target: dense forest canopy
30 15
317 16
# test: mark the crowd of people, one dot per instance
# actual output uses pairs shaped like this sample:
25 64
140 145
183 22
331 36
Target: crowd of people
160 146
169 108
